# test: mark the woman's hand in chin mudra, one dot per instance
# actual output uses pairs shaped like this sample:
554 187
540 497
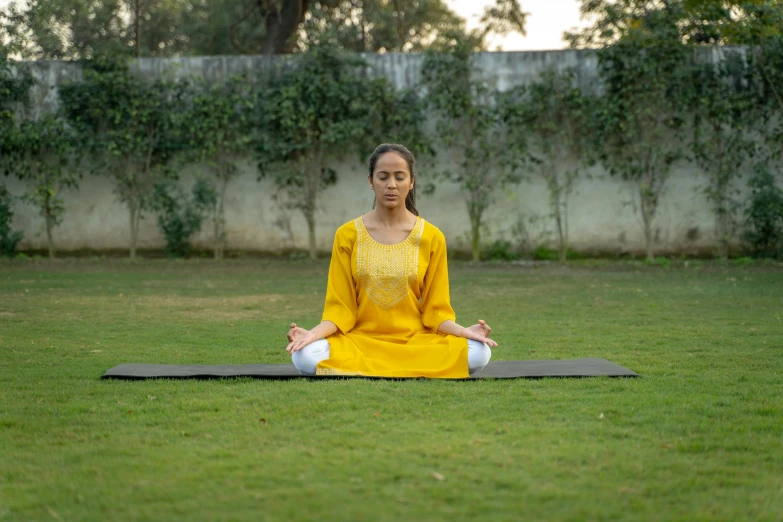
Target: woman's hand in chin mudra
479 332
298 338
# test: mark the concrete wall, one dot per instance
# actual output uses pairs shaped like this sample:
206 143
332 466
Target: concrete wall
601 216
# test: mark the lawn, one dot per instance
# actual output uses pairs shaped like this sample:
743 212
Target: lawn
698 437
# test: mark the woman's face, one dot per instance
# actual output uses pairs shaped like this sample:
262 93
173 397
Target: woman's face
391 180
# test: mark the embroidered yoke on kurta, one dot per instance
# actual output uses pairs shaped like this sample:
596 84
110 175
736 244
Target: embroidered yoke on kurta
387 302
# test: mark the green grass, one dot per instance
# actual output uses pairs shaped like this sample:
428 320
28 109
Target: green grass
698 437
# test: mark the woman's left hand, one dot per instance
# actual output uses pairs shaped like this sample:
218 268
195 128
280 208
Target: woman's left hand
479 332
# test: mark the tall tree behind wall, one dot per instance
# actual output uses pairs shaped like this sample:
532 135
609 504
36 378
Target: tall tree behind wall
78 29
74 29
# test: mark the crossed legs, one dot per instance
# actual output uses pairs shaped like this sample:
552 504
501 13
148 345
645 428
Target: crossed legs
308 357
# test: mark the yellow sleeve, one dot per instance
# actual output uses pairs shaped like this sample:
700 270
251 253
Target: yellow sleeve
340 306
435 299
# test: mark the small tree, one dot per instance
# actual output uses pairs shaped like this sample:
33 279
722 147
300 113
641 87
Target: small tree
315 109
644 77
14 89
764 213
469 124
8 238
552 116
215 126
179 217
127 123
42 154
723 109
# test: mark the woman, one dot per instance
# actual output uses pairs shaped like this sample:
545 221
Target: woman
387 311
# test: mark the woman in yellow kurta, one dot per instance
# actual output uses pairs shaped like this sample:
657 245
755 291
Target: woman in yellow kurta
387 311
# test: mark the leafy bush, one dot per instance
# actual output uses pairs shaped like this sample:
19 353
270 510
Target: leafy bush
8 239
179 217
661 261
764 214
501 250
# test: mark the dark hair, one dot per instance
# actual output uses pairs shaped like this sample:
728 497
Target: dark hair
410 200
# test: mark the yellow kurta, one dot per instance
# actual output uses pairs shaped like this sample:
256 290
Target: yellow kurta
387 302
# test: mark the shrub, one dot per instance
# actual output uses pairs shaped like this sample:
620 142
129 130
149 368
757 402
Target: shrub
8 238
179 217
764 214
501 250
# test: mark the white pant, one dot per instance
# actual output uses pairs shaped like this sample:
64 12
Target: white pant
308 357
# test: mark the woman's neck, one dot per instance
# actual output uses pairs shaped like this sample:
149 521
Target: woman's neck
391 217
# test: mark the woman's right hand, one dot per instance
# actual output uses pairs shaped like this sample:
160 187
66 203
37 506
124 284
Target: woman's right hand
298 338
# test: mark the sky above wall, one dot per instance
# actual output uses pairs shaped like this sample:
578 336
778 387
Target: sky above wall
547 21
545 26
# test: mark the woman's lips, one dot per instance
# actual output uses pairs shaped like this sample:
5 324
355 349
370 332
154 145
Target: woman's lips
391 196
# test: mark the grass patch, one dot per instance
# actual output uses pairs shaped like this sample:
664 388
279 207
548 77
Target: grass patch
697 437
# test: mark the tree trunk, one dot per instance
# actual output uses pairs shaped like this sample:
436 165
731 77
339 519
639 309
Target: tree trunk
310 217
134 229
561 242
49 240
475 231
220 220
556 204
557 210
565 225
648 233
722 220
311 169
281 20
722 232
48 223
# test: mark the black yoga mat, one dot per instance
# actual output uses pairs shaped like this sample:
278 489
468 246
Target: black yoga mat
495 370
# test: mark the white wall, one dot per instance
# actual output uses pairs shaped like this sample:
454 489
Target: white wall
601 216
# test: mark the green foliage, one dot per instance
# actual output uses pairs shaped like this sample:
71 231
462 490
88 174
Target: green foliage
661 261
316 108
179 217
214 126
126 123
501 250
15 84
84 29
550 120
39 151
396 117
468 124
725 107
727 93
502 18
378 25
42 153
644 72
8 238
764 214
